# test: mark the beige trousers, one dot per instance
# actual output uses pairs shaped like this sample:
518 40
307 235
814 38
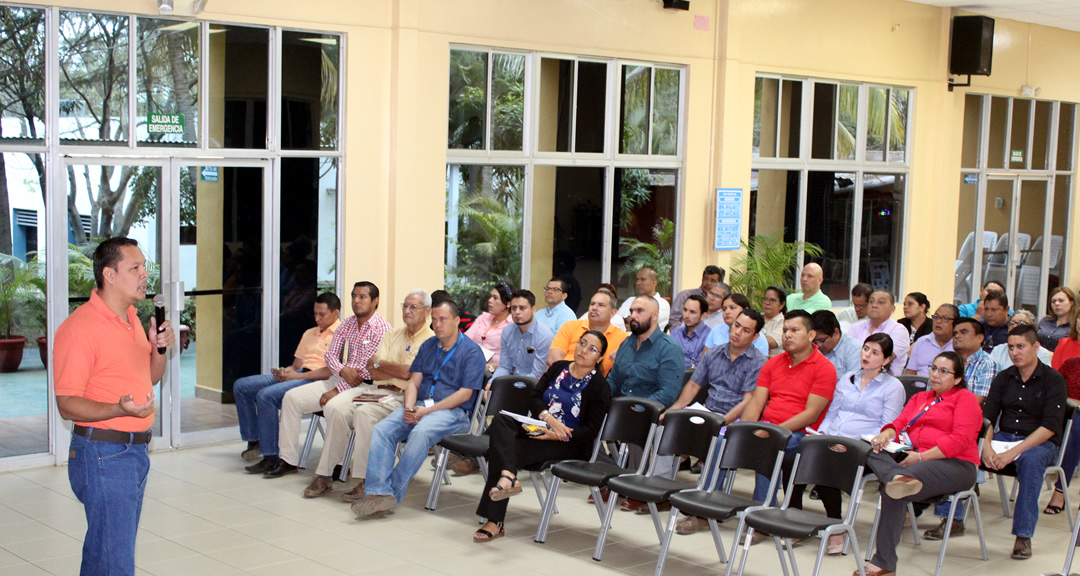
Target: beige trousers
305 400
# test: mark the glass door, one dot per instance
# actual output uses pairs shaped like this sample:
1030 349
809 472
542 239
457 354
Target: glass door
1015 214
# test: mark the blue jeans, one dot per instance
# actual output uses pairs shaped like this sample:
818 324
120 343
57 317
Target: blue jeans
383 478
1030 468
109 479
761 483
258 399
1072 453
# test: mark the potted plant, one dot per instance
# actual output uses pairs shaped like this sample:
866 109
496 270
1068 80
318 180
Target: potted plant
766 260
22 299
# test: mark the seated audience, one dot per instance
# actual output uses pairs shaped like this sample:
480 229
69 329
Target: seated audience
572 398
733 305
942 424
843 351
939 340
488 328
440 296
915 321
773 306
995 308
616 320
525 347
879 320
860 300
645 282
974 309
601 311
691 334
811 298
710 276
1063 313
1000 353
715 297
556 313
1067 348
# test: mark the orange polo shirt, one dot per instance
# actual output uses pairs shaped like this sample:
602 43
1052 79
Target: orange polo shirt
313 346
100 357
571 332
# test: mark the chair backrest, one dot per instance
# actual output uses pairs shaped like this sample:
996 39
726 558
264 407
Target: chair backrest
1055 250
1071 406
832 461
510 393
753 446
913 384
630 421
688 433
989 239
967 248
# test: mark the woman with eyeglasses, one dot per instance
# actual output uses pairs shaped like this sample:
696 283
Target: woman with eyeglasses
915 320
487 329
773 306
864 402
941 425
572 399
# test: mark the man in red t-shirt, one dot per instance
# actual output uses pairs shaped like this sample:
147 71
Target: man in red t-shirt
793 389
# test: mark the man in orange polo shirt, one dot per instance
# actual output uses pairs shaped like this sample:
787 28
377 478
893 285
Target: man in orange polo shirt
104 369
602 309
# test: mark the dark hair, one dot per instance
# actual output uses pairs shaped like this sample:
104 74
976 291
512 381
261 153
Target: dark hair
958 366
703 304
781 293
803 315
989 282
108 254
1025 331
610 288
438 297
739 299
885 341
526 294
454 310
562 283
862 290
603 342
505 292
712 270
824 321
330 299
951 308
759 320
975 324
997 296
373 290
920 299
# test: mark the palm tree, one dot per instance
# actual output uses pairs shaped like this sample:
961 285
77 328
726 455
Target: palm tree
658 255
766 260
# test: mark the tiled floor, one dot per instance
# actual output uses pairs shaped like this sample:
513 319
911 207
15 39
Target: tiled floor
203 516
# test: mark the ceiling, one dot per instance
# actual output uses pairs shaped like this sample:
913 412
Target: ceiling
1057 13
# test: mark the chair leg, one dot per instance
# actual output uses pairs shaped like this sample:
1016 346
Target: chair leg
549 506
715 529
316 425
780 545
945 536
745 549
436 483
1004 494
601 538
346 460
665 541
973 502
914 525
1072 550
850 530
655 515
735 545
874 529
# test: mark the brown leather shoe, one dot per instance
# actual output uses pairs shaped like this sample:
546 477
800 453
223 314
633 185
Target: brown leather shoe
318 487
939 532
878 572
630 505
1021 549
355 494
464 467
661 507
691 524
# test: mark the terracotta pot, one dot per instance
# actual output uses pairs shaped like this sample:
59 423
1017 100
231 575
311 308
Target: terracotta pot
43 350
11 351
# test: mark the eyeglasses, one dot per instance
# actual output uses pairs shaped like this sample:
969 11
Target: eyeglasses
1015 323
859 306
410 307
940 318
550 289
939 370
588 347
819 341
770 300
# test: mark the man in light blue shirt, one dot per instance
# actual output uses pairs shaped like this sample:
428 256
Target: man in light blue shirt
556 312
843 351
524 351
733 305
691 335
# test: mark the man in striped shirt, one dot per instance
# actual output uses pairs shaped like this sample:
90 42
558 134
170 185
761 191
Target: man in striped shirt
335 386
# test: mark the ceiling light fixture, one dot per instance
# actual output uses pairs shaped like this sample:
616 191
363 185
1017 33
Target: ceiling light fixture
165 5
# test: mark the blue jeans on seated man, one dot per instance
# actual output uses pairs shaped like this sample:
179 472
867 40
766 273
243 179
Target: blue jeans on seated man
109 479
761 483
258 399
383 478
1030 468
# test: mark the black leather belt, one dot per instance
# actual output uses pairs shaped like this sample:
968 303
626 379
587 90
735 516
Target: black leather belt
103 435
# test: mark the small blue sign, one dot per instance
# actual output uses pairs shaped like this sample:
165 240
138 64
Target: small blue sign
208 173
728 218
971 178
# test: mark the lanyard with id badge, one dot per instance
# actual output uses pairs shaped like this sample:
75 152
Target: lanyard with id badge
905 438
430 400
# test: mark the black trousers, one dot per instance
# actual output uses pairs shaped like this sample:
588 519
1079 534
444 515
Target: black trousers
511 449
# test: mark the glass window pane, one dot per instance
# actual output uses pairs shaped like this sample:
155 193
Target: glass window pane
634 134
665 127
1066 136
997 211
876 130
825 126
1021 124
898 123
644 228
556 104
1030 246
468 100
508 101
829 224
766 91
591 106
969 155
967 246
1059 230
774 203
847 127
167 81
93 78
22 82
483 231
1040 141
790 119
999 117
881 236
238 86
24 420
309 90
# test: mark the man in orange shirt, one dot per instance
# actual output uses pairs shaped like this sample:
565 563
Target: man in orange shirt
105 369
602 309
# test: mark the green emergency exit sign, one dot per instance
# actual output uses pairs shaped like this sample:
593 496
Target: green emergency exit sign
165 123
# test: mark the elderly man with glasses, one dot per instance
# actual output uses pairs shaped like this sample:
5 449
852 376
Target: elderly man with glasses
939 340
879 320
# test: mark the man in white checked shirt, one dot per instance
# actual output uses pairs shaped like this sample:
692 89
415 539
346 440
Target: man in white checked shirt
359 336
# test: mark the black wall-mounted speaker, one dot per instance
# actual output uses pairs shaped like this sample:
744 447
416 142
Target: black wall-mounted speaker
677 4
972 50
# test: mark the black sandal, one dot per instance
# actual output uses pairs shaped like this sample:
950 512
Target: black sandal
1052 510
488 536
498 493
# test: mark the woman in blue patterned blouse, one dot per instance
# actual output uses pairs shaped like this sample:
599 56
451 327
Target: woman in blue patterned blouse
572 398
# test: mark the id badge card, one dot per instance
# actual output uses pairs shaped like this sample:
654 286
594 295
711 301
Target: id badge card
905 439
428 402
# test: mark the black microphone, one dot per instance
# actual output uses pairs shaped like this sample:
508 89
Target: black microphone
159 315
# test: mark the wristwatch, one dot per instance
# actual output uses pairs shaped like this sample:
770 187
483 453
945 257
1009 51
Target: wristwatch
376 364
